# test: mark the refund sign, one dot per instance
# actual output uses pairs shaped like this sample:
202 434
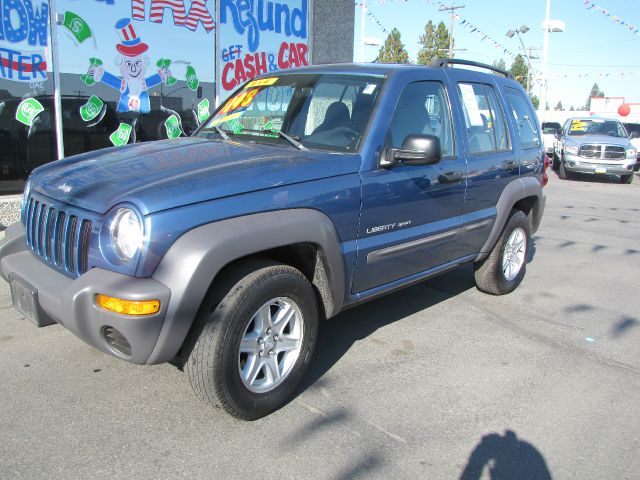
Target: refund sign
260 37
23 26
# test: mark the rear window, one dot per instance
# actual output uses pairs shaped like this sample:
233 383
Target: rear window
550 127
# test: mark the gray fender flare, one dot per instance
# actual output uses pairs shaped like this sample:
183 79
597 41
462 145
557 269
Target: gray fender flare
515 191
194 260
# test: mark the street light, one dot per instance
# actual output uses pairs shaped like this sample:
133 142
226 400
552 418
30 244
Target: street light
523 29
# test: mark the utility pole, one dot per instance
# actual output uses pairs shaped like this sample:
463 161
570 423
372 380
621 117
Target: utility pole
530 72
451 9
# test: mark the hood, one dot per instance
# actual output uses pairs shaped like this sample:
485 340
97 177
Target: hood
165 174
598 139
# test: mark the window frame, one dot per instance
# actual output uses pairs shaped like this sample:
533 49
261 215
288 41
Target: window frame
467 122
448 104
534 124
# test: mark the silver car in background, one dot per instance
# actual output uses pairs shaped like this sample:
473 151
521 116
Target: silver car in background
596 146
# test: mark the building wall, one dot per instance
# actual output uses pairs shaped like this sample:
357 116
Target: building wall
332 32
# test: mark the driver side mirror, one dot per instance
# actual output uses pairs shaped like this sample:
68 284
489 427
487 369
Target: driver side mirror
558 134
635 134
417 149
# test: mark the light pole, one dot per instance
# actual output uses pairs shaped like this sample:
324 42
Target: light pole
523 29
364 11
548 26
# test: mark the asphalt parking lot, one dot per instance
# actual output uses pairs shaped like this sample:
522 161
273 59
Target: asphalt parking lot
438 381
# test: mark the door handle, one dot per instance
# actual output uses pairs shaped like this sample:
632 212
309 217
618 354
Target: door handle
450 177
511 165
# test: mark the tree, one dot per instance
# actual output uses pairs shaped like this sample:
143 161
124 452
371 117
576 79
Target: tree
519 70
434 42
500 64
393 50
442 41
595 92
572 109
535 101
428 52
559 106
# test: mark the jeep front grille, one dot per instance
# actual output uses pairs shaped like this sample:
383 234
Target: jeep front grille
57 235
609 152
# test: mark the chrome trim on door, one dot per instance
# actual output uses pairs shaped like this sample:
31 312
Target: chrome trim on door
402 248
477 225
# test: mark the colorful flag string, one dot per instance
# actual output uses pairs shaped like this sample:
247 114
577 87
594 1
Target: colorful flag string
372 17
466 24
598 75
594 7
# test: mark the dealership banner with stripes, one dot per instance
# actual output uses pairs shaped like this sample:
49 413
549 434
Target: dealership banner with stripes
171 41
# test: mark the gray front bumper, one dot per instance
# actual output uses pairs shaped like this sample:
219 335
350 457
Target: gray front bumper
71 302
574 163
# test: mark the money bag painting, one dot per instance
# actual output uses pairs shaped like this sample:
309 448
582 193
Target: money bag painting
134 63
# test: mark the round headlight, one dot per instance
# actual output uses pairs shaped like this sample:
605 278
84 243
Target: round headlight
126 233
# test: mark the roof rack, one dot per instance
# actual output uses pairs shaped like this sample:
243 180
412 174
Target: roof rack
445 62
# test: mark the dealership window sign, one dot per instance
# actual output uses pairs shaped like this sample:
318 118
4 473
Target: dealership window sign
23 40
260 36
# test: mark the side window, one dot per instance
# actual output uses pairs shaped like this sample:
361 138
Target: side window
423 108
524 117
486 127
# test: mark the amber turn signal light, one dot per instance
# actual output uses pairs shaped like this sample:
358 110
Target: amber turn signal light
128 307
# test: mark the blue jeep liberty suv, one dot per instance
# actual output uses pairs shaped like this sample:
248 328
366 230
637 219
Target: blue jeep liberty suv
307 192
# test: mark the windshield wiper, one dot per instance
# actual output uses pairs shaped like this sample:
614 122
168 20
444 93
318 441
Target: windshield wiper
288 138
222 133
293 141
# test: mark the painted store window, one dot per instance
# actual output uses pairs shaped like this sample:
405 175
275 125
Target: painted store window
134 70
129 70
26 91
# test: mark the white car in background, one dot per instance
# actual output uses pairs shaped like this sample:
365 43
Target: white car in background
549 130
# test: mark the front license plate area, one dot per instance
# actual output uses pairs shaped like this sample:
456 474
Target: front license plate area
601 170
25 300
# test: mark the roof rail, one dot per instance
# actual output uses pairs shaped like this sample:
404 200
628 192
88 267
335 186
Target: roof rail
445 62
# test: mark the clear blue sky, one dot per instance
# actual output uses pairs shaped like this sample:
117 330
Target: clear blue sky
593 48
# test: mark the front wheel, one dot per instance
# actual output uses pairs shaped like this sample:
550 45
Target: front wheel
555 163
503 270
562 172
626 179
252 348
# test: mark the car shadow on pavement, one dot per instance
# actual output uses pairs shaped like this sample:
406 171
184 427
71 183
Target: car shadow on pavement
337 335
506 458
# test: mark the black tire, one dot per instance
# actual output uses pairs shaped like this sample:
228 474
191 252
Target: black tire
214 359
562 172
628 179
555 162
488 273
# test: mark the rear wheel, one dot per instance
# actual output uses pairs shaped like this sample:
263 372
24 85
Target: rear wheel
251 350
503 270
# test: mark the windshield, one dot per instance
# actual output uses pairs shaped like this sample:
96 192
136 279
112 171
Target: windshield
316 111
596 126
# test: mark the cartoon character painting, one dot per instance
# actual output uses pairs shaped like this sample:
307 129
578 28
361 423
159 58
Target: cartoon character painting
133 63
